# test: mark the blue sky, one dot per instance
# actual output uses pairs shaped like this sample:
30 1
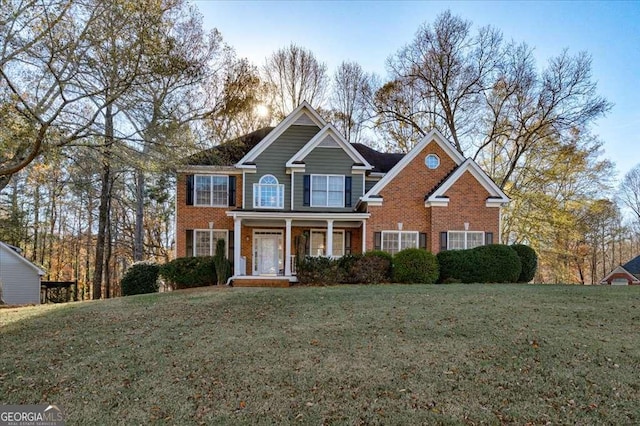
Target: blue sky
369 32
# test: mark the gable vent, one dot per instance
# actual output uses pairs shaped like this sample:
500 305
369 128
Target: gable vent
304 120
329 142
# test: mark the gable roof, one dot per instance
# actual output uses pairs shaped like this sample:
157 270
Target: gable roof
329 131
304 111
496 196
230 152
433 135
621 270
382 162
633 266
12 252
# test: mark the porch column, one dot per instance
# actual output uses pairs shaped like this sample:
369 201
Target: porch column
237 249
287 248
364 236
329 252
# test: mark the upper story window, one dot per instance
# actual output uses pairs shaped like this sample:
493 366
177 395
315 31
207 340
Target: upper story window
211 190
432 161
395 241
460 240
327 191
268 193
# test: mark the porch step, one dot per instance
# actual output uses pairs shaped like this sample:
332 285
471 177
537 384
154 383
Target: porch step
261 282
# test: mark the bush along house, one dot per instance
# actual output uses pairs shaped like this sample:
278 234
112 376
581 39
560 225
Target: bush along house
301 189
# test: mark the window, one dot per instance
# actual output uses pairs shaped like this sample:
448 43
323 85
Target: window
211 190
394 241
460 240
318 243
432 161
327 191
205 241
268 193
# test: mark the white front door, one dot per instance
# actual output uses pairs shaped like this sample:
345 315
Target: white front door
267 253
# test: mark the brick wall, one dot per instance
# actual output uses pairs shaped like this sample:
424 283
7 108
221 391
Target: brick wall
196 217
404 202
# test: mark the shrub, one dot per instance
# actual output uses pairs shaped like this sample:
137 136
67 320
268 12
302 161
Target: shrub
222 264
140 278
495 263
318 270
364 269
346 266
386 259
415 266
188 272
529 260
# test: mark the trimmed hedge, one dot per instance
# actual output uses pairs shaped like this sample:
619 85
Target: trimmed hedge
318 270
495 263
387 258
415 266
140 278
371 268
188 272
529 260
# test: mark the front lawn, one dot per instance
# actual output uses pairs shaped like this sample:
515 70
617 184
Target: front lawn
421 354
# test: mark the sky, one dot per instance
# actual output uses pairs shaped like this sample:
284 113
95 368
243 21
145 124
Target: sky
368 32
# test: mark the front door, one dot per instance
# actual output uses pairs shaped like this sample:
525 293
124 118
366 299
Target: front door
267 253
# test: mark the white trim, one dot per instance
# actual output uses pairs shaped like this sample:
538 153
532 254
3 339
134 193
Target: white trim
292 189
433 135
254 249
212 243
22 258
426 161
399 233
195 191
303 108
209 170
324 231
327 190
339 216
244 185
487 183
329 130
257 192
466 233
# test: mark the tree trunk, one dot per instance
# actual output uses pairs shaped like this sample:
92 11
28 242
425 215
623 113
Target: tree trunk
138 241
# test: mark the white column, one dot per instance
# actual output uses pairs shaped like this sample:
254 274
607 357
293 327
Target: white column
287 248
364 236
329 251
237 249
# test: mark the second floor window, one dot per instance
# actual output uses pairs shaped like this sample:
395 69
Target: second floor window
211 190
268 193
327 191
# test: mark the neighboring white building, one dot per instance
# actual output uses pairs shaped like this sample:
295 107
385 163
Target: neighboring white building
19 278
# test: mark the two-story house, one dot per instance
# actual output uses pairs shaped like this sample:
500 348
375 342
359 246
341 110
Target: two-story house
262 191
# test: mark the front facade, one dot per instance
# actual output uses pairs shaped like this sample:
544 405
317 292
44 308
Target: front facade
301 189
19 278
627 274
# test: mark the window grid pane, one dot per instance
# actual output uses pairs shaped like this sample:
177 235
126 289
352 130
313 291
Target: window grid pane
475 239
456 240
219 196
327 191
390 241
203 190
338 243
408 240
317 246
202 243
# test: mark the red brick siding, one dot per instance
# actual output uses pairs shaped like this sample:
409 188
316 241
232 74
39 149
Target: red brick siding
196 217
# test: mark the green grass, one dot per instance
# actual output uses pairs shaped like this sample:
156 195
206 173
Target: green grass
448 354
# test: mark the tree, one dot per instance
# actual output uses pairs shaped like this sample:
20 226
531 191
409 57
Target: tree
630 190
486 95
351 90
293 75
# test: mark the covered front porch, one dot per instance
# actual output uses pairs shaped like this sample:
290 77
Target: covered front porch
266 244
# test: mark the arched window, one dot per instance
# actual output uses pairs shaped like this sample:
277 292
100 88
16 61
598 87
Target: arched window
268 193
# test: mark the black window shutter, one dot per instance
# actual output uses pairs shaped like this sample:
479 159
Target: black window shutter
232 190
306 197
189 190
488 238
443 241
347 242
377 240
230 244
189 249
423 241
347 191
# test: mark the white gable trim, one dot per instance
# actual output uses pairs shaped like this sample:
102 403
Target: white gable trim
433 135
303 109
620 270
498 198
22 258
326 131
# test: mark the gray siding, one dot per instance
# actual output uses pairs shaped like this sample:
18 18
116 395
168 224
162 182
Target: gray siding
368 184
332 161
274 159
20 282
